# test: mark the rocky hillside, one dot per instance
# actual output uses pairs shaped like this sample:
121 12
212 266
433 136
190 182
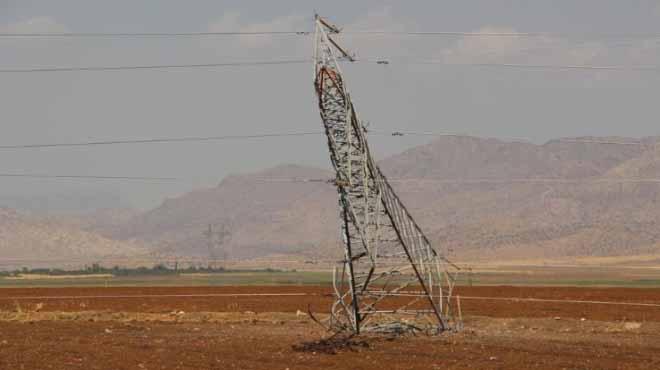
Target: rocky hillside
263 214
477 198
28 238
579 205
480 198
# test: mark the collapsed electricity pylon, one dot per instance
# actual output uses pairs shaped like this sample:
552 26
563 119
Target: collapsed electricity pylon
391 278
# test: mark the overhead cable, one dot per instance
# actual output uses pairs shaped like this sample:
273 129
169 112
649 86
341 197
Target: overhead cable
343 32
153 34
331 181
635 68
382 61
502 34
480 181
596 141
87 177
438 134
510 139
155 66
193 139
161 140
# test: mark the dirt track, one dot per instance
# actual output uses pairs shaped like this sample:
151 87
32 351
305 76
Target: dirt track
319 299
115 333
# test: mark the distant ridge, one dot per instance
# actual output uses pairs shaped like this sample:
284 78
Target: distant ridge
30 238
472 220
497 219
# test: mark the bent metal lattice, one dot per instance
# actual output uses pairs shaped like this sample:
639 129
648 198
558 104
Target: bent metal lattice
391 278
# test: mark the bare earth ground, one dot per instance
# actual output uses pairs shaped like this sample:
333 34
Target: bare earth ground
264 332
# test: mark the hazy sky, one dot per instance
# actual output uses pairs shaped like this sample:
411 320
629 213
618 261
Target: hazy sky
538 104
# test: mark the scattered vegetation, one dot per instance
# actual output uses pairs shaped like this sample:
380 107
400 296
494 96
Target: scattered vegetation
156 270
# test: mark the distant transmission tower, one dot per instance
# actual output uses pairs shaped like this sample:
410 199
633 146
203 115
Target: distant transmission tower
391 278
211 248
214 240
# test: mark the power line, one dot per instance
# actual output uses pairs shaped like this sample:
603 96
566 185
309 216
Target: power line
542 300
510 139
565 67
502 34
481 181
161 140
530 180
303 294
153 296
86 177
645 68
594 141
164 66
331 181
152 34
192 139
443 134
344 32
650 68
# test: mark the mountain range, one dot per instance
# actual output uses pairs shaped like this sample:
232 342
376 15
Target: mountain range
475 198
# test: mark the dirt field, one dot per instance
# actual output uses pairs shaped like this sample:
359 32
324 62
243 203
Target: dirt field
193 299
130 328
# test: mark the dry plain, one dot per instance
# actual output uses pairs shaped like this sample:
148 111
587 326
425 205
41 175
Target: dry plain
262 327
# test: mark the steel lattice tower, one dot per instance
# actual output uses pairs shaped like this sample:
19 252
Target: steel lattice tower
391 278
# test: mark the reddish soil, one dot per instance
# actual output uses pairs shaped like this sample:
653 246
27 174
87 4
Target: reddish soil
515 336
257 344
319 299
